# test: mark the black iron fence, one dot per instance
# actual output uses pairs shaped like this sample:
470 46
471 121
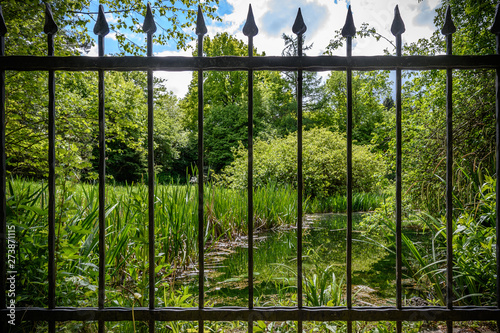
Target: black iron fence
300 63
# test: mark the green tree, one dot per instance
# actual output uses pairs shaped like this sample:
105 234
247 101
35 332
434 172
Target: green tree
324 167
225 126
312 92
279 104
473 110
424 105
226 104
26 124
77 129
369 90
25 19
221 88
76 95
125 133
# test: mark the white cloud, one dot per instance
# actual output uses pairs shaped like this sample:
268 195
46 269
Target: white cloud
110 18
177 82
322 17
93 52
380 14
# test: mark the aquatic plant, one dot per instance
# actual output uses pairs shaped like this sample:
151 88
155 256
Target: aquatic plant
473 242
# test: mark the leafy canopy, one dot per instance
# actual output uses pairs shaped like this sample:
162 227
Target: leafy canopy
324 166
25 19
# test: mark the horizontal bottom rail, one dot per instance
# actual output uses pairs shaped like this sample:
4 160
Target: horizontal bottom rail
266 313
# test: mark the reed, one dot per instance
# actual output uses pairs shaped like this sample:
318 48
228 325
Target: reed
176 230
361 202
424 241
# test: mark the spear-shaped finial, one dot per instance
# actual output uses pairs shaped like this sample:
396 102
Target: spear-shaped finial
299 27
101 27
349 30
201 28
50 26
398 26
250 28
495 28
3 27
448 27
149 25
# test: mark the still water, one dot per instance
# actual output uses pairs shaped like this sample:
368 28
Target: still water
275 264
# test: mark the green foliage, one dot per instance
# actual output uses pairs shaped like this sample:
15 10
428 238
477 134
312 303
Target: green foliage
324 155
221 89
369 114
126 236
424 105
176 21
25 133
224 128
125 138
77 125
170 138
25 19
361 202
474 261
76 93
226 104
322 287
312 95
279 104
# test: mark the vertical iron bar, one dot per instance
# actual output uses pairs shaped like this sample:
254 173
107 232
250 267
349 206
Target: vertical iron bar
50 28
102 187
52 184
398 178
349 185
398 28
449 184
497 172
151 185
299 183
101 29
201 30
250 184
495 29
201 278
349 178
250 30
3 180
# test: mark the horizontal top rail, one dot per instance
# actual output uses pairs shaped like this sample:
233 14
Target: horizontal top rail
233 63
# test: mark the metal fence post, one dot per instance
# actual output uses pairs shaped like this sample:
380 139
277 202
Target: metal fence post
101 29
201 30
250 30
397 29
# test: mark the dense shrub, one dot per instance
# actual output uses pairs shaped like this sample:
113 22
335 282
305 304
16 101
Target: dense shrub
324 164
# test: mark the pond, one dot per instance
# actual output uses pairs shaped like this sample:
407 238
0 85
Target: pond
275 265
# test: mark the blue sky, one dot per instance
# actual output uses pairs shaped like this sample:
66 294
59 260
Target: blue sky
322 17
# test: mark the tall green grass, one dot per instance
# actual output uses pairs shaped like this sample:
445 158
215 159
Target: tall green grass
361 202
176 230
425 238
126 222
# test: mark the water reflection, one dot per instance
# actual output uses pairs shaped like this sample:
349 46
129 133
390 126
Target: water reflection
275 265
